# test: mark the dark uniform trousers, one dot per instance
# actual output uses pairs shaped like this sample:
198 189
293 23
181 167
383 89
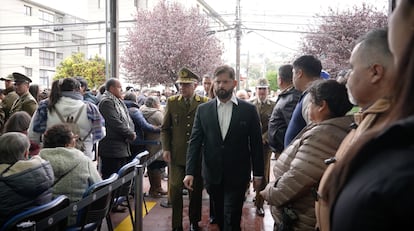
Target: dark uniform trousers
175 133
177 174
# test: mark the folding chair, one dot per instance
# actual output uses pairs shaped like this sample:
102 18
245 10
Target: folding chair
38 213
90 217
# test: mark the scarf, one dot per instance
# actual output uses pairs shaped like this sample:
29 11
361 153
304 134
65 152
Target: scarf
120 108
73 94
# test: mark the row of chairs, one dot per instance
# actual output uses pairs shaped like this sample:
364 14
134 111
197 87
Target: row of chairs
91 216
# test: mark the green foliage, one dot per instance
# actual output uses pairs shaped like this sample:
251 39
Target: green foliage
93 69
272 78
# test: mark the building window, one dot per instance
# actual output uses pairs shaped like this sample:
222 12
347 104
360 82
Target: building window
59 55
46 58
27 10
28 51
46 17
59 37
28 71
59 19
28 31
77 39
44 78
46 36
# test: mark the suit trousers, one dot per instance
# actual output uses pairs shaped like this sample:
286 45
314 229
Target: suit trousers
176 177
112 165
228 204
267 153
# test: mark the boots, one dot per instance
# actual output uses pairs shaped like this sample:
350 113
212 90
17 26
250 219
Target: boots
154 176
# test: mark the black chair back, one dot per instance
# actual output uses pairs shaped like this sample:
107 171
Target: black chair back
91 216
38 213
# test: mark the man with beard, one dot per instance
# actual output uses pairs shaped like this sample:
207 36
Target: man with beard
175 133
226 135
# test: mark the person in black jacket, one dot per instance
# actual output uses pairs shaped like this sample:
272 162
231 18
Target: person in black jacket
282 112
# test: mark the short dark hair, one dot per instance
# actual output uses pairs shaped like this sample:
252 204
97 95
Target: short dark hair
83 82
309 64
110 83
285 73
58 135
69 84
225 69
335 95
102 89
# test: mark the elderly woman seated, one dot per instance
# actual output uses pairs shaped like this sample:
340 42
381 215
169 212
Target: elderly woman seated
74 172
23 183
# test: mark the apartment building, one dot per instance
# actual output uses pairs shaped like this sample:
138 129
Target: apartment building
35 38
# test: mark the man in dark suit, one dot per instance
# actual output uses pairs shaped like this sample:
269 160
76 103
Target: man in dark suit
226 136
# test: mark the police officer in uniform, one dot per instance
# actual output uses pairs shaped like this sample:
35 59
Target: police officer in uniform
264 107
26 102
175 134
9 98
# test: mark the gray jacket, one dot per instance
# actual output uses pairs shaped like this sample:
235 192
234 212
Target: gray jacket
25 184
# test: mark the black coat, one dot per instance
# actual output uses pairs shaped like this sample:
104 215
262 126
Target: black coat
227 161
279 120
379 194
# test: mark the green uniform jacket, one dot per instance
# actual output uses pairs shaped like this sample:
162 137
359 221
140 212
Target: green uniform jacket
265 111
8 101
177 124
26 103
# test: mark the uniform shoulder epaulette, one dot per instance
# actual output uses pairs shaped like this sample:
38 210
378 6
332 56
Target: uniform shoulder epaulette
173 98
200 98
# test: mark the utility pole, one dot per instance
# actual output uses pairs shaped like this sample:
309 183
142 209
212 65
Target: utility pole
113 15
107 37
238 38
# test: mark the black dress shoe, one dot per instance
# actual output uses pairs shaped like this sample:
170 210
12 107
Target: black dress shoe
178 229
213 220
118 209
260 212
194 227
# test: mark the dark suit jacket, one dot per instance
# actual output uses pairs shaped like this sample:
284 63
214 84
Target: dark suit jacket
227 161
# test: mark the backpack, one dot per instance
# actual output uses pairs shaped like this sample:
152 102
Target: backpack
73 123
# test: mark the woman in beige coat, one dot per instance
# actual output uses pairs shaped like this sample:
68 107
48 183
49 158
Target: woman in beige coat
301 165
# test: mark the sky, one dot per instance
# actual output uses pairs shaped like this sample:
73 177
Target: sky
285 18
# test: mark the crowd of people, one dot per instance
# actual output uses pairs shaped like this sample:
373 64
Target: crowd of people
333 170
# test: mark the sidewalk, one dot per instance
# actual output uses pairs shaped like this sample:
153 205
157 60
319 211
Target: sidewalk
159 218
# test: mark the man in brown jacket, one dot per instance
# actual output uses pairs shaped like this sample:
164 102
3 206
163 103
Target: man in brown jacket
368 86
264 107
25 101
175 133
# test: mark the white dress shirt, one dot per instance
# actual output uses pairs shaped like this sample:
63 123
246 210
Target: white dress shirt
224 111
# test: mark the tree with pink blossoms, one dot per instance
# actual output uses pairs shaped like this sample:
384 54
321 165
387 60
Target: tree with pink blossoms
335 34
166 39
